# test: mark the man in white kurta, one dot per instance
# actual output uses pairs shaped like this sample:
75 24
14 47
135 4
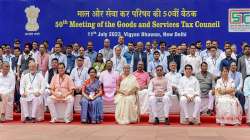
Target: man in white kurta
7 87
189 90
118 60
31 90
193 59
159 91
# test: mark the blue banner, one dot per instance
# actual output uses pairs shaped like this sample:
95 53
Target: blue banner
172 21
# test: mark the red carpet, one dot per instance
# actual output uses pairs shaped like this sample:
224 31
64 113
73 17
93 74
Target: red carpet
109 119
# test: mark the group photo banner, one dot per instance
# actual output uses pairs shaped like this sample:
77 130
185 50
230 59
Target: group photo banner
172 21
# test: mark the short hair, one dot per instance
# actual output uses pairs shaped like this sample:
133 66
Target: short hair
246 46
192 44
109 61
163 42
224 68
60 44
172 62
55 59
159 66
69 46
156 52
17 48
79 57
188 65
62 64
204 63
29 45
92 68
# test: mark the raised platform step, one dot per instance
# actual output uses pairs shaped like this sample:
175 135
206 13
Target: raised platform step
174 118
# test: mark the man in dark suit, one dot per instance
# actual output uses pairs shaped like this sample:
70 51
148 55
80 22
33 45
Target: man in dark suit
174 57
244 62
139 55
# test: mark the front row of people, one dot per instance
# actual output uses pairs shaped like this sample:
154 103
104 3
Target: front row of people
127 96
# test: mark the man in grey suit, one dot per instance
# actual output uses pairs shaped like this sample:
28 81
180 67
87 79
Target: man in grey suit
244 62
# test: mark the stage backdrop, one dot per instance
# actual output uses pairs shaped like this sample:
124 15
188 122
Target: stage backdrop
172 21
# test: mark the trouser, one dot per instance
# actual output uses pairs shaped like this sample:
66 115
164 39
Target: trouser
143 98
33 104
69 107
45 96
211 99
184 106
166 105
248 108
5 99
241 99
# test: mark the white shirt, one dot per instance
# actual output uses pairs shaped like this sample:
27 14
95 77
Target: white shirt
86 62
213 65
173 78
62 58
118 63
223 55
189 86
7 85
247 61
79 75
31 84
153 64
194 61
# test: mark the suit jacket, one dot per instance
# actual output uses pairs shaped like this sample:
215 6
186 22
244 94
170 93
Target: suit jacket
137 58
242 66
176 58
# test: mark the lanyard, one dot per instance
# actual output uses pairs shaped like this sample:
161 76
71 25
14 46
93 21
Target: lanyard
32 80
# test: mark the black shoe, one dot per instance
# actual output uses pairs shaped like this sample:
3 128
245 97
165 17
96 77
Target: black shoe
167 121
84 122
209 112
33 120
156 121
27 119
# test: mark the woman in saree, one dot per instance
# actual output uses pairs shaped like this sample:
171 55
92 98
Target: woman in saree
228 108
91 103
126 99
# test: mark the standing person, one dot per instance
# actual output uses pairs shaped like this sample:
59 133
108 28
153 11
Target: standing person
99 64
121 44
70 59
228 109
62 58
192 59
90 52
91 103
106 51
127 107
62 89
43 59
87 63
139 55
118 60
76 48
244 62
